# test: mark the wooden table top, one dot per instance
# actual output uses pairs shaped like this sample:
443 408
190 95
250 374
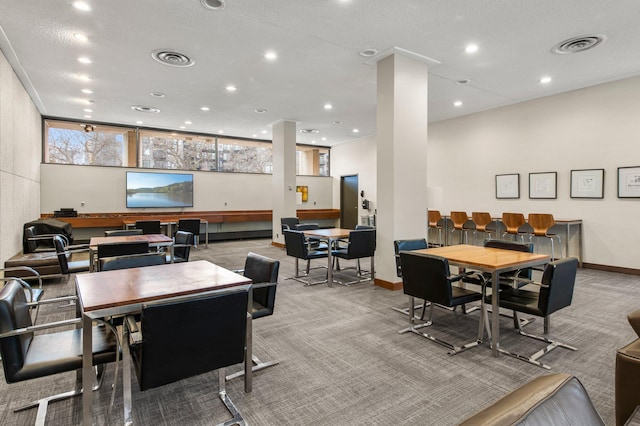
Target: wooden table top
109 289
150 238
328 233
484 257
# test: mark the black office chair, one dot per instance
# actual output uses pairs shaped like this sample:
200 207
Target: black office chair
26 355
181 247
210 335
21 274
428 277
149 226
361 244
555 293
122 232
296 245
190 225
106 250
69 265
264 275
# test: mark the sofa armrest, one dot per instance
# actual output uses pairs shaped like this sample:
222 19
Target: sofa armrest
558 399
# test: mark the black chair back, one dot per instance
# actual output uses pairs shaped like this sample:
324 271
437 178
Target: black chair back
62 254
296 244
131 261
362 243
122 232
209 335
426 277
288 223
14 314
122 249
560 277
189 225
359 227
306 226
149 226
183 242
515 246
406 245
30 242
261 269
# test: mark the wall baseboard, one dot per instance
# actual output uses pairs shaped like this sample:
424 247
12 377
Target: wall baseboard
607 268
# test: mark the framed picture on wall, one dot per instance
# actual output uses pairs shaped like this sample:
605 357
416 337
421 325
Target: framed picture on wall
508 186
629 182
588 183
543 185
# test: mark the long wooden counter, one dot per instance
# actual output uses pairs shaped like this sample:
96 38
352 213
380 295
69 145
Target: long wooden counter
117 220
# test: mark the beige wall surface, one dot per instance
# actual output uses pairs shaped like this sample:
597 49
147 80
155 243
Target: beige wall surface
20 154
592 128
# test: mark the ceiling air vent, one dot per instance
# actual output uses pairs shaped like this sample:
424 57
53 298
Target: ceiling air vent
309 131
175 59
578 44
141 108
213 4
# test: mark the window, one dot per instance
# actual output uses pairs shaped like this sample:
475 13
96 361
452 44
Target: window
165 150
85 144
68 142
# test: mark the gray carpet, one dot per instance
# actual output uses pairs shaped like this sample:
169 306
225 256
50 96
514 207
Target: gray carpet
342 361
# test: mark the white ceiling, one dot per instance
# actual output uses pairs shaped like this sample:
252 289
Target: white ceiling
318 44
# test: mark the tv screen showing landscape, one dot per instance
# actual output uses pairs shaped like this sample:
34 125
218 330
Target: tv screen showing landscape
145 189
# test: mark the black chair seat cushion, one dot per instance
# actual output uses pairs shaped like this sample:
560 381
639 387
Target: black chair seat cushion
316 254
525 301
461 296
59 352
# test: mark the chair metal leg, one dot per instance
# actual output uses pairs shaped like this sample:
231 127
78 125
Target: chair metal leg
257 366
222 393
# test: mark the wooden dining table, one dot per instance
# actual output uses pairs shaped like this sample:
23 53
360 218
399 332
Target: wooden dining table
494 261
123 292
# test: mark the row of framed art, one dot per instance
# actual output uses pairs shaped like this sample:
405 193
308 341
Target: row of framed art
585 183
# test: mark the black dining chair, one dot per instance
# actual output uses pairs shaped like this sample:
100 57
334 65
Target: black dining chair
210 335
361 244
191 225
107 250
28 355
122 232
69 260
407 245
263 272
183 241
428 277
149 226
297 246
555 292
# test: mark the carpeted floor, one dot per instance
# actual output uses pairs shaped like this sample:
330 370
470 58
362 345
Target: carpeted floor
343 362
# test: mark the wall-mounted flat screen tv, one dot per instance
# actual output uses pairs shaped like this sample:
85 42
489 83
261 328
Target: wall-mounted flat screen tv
153 189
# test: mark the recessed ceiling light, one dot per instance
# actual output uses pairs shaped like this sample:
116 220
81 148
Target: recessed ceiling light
221 131
271 55
356 130
260 110
328 106
87 110
84 60
254 135
81 37
83 77
80 5
313 142
139 122
471 48
87 91
457 103
87 116
324 139
545 80
213 4
187 122
264 132
205 108
157 94
182 127
142 108
367 53
231 88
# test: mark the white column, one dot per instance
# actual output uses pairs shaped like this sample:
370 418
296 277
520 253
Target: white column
401 157
284 175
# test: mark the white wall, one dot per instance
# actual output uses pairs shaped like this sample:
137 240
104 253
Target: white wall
103 190
20 154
